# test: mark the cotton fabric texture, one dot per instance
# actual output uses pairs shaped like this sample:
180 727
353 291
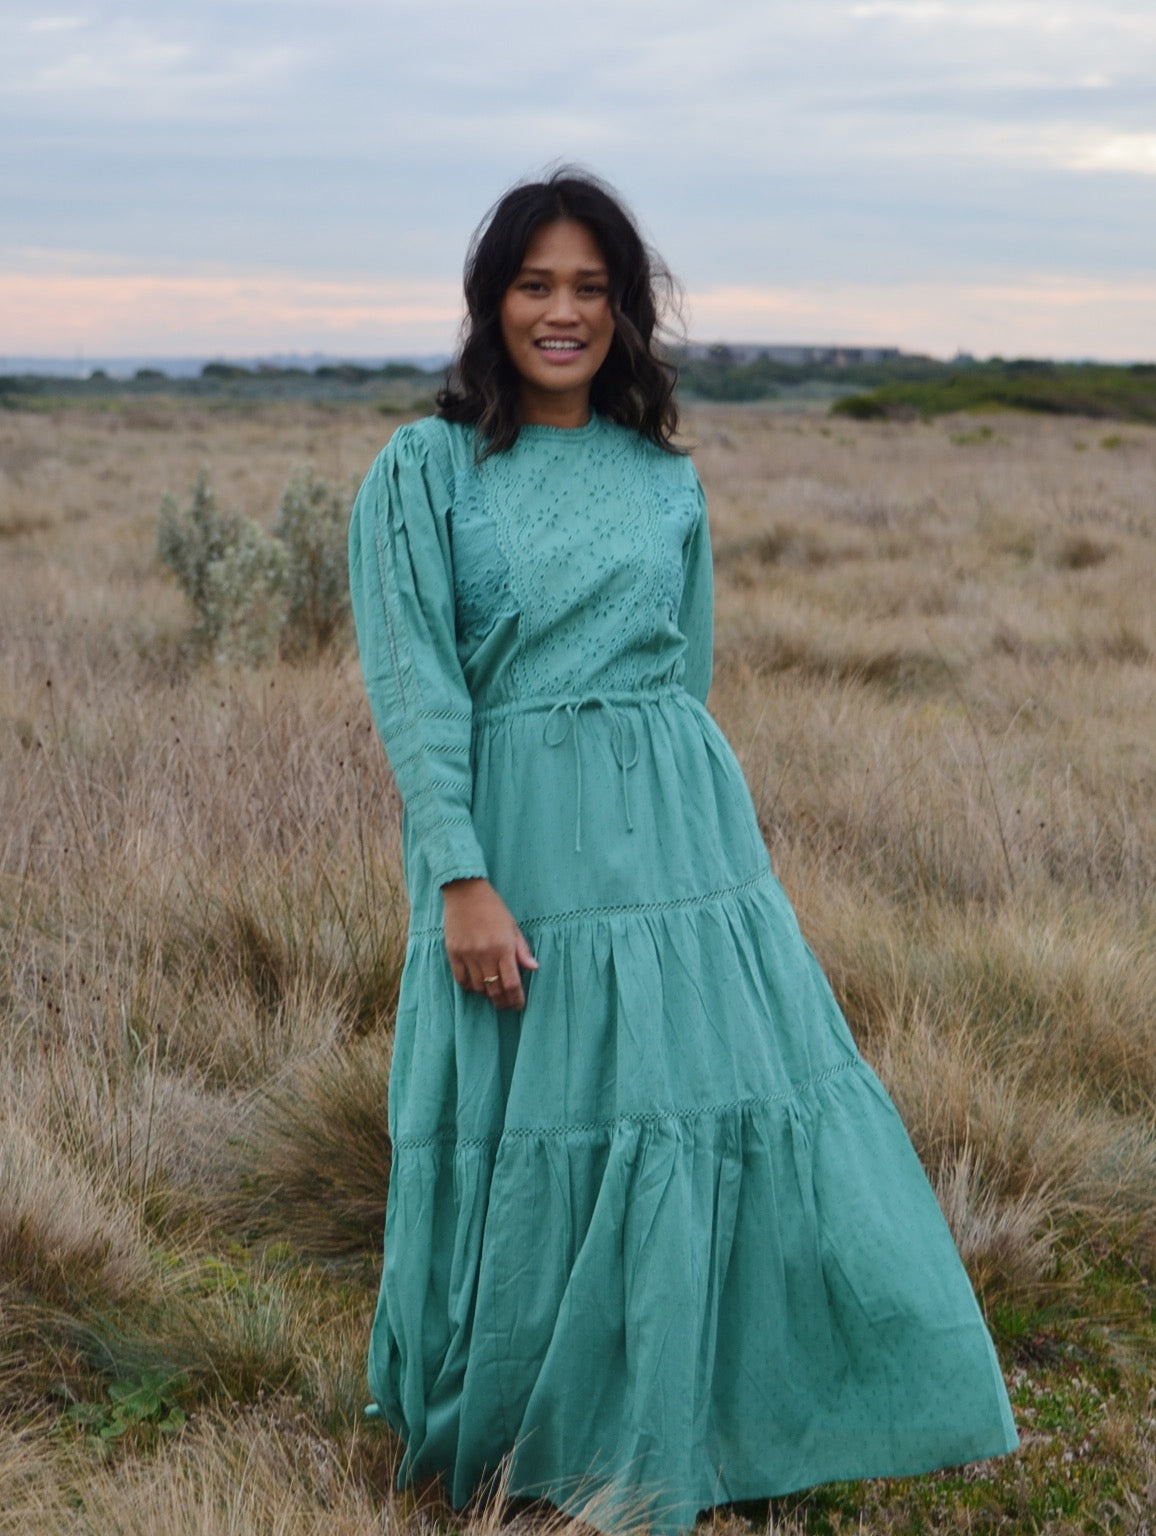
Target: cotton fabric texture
662 1237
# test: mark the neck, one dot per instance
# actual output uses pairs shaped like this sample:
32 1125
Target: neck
555 410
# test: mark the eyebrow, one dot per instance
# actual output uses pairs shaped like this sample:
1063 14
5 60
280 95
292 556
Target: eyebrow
582 271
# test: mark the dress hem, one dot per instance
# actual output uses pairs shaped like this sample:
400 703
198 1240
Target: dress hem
583 1505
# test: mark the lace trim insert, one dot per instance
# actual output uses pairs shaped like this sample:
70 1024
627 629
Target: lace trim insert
636 909
448 1134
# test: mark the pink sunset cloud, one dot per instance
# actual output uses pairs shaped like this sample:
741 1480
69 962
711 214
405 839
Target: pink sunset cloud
57 313
60 314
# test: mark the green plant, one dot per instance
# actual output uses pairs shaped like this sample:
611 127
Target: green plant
254 592
312 524
231 570
246 596
1069 389
967 439
143 1406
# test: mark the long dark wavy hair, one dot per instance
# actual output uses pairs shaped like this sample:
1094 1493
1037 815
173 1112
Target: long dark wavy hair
635 385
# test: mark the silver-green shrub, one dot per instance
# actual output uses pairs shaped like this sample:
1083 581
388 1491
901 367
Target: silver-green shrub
233 573
313 526
245 598
188 542
255 593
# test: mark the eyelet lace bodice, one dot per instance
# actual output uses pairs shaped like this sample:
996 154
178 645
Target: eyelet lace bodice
581 537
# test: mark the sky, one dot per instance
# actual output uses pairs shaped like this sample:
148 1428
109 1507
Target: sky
251 177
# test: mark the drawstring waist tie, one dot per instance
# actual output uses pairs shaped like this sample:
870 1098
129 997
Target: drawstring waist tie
562 723
622 728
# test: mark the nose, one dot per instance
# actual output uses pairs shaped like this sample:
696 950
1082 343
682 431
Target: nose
563 306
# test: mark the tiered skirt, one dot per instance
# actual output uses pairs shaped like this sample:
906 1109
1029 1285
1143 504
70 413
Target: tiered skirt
661 1241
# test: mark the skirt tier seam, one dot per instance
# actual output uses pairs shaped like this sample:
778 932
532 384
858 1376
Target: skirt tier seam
628 909
642 1117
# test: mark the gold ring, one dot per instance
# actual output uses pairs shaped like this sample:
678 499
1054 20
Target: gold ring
486 980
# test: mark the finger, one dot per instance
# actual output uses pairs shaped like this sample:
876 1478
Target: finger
512 994
461 974
488 978
523 954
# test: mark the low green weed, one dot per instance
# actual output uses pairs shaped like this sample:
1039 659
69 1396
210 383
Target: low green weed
141 1407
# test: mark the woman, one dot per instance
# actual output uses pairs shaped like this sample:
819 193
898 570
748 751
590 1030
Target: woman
655 1231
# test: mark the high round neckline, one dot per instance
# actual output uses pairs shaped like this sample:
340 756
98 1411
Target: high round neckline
576 434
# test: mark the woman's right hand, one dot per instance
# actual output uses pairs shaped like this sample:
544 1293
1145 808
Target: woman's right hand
487 949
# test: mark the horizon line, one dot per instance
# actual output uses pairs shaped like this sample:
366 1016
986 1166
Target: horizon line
81 364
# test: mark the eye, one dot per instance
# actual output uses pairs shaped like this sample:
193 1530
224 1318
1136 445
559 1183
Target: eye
531 285
597 290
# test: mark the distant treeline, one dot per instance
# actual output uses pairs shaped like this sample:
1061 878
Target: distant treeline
395 385
890 385
905 385
1066 389
731 373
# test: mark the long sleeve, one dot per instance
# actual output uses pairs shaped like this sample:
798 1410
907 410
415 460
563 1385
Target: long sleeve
403 607
696 611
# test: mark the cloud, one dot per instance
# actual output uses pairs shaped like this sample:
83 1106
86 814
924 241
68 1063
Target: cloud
1079 19
157 66
841 141
58 314
56 23
1036 315
1134 153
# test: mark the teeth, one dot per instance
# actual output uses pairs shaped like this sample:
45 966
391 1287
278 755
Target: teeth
560 346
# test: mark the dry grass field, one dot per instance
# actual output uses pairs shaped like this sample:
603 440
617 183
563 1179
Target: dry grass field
937 660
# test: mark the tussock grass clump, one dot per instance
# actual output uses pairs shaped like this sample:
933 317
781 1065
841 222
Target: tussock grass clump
1065 996
229 1329
64 1239
1005 1243
891 667
314 1164
277 1474
294 950
1079 552
275 1477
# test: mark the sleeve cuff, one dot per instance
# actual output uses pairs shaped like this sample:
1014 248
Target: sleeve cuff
463 861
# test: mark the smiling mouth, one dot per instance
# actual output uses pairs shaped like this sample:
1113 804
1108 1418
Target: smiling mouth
559 347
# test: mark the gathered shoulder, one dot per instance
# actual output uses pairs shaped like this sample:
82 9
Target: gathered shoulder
429 442
412 479
431 432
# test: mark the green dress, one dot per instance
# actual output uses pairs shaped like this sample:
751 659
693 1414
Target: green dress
662 1237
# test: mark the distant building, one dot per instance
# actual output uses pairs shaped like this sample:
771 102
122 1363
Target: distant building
791 354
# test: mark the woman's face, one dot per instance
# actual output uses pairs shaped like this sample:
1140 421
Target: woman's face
557 323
